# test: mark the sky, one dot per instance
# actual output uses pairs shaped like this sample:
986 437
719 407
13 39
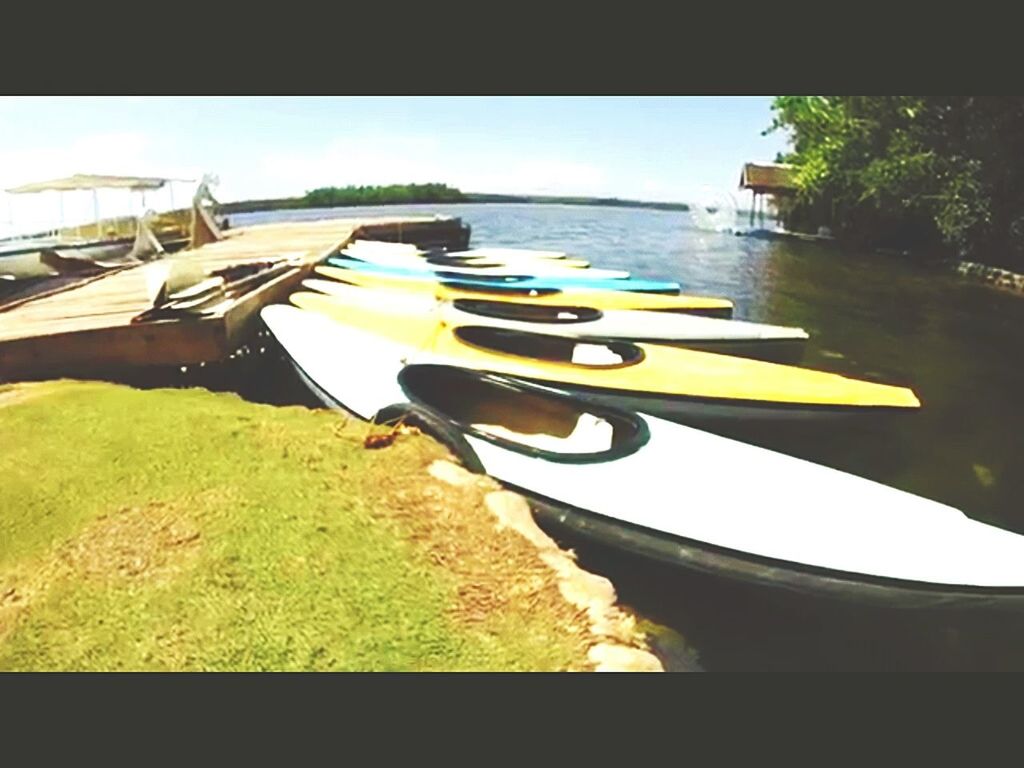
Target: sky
649 148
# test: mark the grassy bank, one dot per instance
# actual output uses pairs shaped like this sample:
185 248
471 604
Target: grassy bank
183 529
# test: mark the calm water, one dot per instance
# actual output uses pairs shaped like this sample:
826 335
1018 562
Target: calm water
958 345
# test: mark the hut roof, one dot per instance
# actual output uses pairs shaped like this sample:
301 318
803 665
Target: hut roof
768 177
90 181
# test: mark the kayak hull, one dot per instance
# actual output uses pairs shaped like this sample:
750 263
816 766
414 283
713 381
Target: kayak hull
730 337
670 492
484 267
706 306
565 521
521 281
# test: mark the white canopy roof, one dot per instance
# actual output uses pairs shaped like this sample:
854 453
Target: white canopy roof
89 181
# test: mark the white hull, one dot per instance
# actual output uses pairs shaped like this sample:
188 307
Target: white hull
537 267
503 254
696 486
509 254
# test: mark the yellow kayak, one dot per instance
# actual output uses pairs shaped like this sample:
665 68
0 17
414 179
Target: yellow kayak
702 305
664 381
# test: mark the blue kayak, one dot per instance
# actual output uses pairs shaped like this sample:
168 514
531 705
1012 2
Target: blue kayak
512 282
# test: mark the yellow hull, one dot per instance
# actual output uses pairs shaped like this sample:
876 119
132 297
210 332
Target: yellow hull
662 370
576 297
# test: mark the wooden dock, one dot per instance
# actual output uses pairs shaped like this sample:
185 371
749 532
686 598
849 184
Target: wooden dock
111 322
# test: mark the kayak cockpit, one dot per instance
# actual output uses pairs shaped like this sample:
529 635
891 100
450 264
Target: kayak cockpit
549 348
529 313
522 418
455 261
471 284
485 277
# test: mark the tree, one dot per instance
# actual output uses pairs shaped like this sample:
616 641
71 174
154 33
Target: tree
943 174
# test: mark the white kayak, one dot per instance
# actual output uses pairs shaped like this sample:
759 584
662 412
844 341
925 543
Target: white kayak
747 339
698 499
386 246
489 266
509 253
501 254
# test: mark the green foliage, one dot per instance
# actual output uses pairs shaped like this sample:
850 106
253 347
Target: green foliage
426 193
329 197
940 173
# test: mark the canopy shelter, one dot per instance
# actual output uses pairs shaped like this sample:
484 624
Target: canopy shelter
90 181
767 179
94 182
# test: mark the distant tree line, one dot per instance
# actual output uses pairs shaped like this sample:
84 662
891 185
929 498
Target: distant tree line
392 194
942 174
397 194
615 202
332 197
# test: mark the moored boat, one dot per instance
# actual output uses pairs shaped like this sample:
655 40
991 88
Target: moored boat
674 493
483 253
736 337
479 266
656 302
513 280
671 382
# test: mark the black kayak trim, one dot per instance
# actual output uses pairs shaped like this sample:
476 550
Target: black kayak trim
634 423
722 562
584 391
527 313
545 347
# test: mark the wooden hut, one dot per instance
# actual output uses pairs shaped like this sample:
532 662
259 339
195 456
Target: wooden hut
761 179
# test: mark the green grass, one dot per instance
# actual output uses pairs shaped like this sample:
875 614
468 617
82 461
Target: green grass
182 529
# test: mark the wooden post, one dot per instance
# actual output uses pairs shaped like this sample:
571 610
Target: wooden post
204 227
753 205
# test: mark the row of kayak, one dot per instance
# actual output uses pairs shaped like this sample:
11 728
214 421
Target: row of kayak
588 406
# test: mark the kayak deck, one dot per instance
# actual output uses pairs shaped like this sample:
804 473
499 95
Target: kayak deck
657 302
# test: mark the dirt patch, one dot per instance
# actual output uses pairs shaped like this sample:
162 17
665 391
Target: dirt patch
497 572
136 543
152 542
10 394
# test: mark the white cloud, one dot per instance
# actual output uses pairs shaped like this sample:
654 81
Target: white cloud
399 159
536 176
